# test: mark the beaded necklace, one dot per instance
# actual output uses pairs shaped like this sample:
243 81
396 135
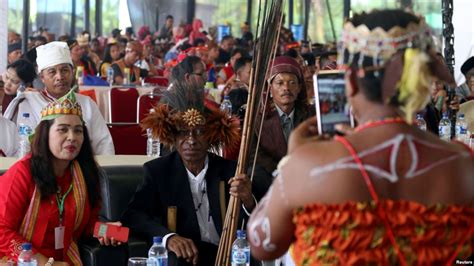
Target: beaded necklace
380 122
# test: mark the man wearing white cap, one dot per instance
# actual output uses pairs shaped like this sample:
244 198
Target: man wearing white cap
55 69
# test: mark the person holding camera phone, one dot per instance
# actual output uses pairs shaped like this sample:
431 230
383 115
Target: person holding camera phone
389 193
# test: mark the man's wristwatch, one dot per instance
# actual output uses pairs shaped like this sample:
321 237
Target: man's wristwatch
49 262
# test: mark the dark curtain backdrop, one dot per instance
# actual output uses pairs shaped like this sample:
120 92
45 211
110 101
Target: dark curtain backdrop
153 13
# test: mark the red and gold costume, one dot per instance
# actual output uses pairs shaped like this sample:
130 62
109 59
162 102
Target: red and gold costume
27 216
24 217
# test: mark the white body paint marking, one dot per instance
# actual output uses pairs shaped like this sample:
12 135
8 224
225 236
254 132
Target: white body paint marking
262 222
347 162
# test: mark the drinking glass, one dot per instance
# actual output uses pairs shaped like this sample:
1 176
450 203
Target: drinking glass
137 261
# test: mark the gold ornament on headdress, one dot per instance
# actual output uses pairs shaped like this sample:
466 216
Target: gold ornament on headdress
193 118
66 105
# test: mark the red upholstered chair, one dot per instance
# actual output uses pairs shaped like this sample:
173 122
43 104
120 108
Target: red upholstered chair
144 103
128 138
123 105
160 72
157 80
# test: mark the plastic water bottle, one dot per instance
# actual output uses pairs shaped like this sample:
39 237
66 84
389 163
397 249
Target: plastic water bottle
226 105
126 76
80 75
24 132
420 122
444 128
152 145
461 130
240 250
26 257
110 75
157 255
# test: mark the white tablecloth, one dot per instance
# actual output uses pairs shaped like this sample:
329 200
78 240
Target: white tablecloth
103 160
102 97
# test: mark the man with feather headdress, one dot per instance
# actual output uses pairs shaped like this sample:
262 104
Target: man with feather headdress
191 182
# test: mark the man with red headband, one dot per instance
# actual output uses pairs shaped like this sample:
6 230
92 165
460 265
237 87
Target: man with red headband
286 108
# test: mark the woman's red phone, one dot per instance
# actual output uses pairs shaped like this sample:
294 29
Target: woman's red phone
331 103
119 233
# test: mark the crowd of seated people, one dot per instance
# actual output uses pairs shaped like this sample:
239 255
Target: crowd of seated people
189 58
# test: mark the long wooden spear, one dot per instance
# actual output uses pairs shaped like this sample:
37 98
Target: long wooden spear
268 29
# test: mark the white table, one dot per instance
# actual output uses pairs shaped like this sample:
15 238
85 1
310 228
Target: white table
103 160
102 96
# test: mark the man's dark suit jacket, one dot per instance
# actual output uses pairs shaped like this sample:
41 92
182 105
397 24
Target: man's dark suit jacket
273 145
166 184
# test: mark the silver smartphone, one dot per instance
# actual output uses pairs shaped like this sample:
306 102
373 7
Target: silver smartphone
330 101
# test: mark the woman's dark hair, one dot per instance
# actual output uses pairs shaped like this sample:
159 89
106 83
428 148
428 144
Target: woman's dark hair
371 83
24 70
107 57
309 58
42 165
386 19
238 97
241 62
240 51
198 42
292 53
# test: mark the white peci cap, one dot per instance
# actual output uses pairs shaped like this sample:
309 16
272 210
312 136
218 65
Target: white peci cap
52 54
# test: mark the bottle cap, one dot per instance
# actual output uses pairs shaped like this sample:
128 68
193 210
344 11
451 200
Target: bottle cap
26 115
461 115
26 246
79 72
240 233
157 239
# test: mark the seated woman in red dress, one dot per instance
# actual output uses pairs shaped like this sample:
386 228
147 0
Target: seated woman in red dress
387 194
51 197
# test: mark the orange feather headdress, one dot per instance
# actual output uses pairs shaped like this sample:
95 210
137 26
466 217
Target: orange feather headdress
182 108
